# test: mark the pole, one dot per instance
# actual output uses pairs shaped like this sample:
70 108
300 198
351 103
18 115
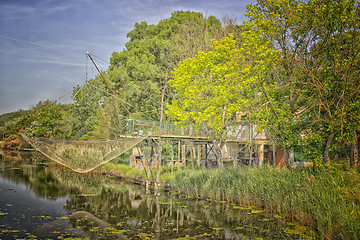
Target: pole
157 184
100 73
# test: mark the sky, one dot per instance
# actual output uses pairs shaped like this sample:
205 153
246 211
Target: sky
43 43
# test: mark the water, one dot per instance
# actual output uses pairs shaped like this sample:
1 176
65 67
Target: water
39 200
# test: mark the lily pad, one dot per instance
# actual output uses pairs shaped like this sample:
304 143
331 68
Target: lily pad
256 211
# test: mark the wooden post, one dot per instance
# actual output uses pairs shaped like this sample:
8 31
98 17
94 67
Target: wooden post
274 155
179 151
183 149
191 148
198 155
157 184
261 154
206 155
172 155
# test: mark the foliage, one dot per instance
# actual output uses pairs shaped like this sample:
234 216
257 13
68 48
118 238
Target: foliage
206 87
47 120
9 122
313 92
14 142
140 71
88 99
211 87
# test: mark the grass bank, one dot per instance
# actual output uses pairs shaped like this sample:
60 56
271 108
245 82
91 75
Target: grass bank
326 199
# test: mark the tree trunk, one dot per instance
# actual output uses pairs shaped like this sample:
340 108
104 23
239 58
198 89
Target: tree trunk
327 149
217 146
356 149
291 158
352 162
250 155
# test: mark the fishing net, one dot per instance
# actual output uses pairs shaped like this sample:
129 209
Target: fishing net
82 156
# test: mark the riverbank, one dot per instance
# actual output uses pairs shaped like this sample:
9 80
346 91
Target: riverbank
101 206
326 199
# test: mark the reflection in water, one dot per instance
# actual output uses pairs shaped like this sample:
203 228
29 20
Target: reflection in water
61 203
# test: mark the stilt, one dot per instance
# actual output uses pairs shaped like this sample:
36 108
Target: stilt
261 154
198 155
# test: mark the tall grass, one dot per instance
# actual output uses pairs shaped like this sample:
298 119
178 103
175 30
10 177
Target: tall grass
327 200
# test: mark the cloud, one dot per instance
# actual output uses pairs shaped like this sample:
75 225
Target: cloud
9 11
56 9
50 61
33 9
28 42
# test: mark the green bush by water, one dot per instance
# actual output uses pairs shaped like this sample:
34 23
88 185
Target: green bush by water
326 199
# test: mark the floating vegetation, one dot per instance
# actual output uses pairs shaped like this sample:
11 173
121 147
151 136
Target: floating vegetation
265 219
2 213
87 194
243 207
9 231
256 211
217 229
296 229
237 228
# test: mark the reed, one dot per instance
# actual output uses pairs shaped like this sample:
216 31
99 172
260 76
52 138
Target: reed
121 170
326 199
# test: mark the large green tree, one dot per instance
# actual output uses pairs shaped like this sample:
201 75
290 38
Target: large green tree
141 70
312 93
330 70
211 87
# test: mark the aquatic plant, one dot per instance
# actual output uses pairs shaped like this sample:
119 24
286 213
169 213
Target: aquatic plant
326 199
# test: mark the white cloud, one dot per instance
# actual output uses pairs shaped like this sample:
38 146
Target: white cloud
51 61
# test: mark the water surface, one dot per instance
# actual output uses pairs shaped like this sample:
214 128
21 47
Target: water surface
40 200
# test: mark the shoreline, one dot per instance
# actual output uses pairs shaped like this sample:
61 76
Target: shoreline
327 199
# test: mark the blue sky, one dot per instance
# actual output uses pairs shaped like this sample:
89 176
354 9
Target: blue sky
43 43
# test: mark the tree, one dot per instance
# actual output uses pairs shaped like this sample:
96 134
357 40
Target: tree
47 119
88 100
280 102
331 69
211 87
309 94
141 70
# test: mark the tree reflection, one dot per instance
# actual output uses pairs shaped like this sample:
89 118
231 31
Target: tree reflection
107 207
